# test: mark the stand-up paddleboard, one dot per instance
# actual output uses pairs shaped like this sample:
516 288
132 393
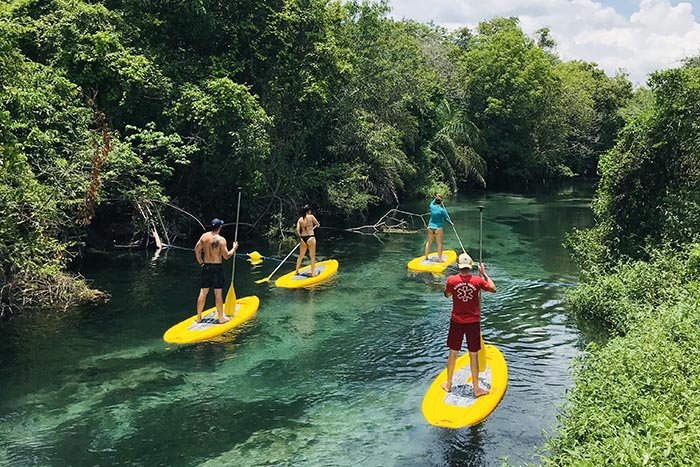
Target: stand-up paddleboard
459 408
431 264
324 271
189 330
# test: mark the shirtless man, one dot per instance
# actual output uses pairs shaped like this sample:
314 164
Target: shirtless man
305 230
209 251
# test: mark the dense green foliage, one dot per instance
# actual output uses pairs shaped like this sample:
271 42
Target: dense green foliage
45 146
650 190
637 399
538 117
107 106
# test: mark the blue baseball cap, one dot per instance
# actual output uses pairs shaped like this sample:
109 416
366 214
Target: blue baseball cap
216 222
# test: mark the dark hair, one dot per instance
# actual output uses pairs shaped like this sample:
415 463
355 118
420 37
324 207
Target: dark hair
306 208
438 201
216 223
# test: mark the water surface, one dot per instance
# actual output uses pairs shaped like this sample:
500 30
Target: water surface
329 376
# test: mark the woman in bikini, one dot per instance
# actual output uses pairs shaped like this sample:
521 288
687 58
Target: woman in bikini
305 230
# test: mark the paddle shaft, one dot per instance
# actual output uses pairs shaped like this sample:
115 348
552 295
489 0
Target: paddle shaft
282 262
464 250
481 363
235 236
481 230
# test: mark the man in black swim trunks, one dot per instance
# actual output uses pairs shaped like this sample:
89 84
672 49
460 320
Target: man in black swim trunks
209 252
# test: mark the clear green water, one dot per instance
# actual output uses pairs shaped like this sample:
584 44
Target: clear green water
331 376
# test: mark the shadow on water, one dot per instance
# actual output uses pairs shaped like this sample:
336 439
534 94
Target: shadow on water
329 376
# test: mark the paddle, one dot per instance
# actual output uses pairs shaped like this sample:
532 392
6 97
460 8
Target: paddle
230 302
267 279
481 228
482 352
455 230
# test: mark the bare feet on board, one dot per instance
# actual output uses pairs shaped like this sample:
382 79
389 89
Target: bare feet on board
447 386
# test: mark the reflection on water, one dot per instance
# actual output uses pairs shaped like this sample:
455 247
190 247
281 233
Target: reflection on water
330 376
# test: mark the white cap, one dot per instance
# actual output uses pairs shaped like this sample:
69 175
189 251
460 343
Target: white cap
465 261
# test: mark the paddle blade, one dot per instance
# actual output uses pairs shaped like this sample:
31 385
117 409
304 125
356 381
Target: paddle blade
264 279
230 301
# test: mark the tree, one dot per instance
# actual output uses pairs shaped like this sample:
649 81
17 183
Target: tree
510 87
649 193
226 131
588 105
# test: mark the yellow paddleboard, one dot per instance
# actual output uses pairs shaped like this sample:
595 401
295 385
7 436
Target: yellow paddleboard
421 264
324 271
459 408
189 330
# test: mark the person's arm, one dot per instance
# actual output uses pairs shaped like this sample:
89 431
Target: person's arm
298 229
448 290
224 251
490 286
232 251
315 221
446 216
198 252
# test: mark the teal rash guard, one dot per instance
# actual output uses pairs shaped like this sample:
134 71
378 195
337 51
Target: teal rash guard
437 214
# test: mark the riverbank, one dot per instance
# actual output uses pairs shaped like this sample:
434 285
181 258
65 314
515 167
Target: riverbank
636 399
52 292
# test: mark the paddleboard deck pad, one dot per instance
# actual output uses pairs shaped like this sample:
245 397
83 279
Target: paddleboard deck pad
459 408
431 264
324 271
189 330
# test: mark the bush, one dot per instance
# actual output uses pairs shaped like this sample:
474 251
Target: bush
636 400
630 291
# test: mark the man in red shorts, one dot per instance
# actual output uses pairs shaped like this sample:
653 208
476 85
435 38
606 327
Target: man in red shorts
464 288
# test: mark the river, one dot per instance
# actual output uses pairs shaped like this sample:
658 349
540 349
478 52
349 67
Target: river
329 376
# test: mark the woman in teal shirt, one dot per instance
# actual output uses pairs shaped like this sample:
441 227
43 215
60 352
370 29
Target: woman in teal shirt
437 214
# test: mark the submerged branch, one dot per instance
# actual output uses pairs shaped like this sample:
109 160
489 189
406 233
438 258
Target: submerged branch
393 221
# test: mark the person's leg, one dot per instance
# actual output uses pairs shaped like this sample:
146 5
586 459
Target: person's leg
302 253
220 306
473 333
201 299
312 254
447 386
454 341
428 243
474 364
438 234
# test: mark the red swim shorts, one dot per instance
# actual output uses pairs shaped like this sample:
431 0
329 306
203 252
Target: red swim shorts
457 333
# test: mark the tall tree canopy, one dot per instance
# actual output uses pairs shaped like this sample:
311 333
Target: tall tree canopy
110 105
